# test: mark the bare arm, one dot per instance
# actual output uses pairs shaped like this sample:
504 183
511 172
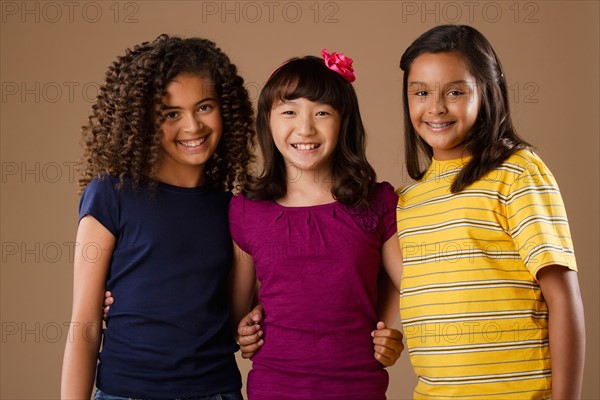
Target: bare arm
566 330
92 258
242 282
387 341
392 261
388 299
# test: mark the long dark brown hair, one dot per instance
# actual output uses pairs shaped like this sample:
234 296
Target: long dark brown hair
493 138
352 176
123 135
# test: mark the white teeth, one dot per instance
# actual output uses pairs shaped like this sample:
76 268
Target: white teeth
192 143
301 146
431 124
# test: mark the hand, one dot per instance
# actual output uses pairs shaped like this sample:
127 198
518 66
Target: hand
108 300
387 344
249 332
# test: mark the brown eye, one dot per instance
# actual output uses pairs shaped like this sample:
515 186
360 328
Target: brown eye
454 95
205 107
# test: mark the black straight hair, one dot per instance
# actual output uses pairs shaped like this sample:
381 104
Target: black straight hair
352 176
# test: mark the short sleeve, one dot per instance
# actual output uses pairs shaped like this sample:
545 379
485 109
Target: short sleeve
99 199
387 201
537 219
236 221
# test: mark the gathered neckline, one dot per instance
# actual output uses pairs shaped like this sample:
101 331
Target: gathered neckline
316 206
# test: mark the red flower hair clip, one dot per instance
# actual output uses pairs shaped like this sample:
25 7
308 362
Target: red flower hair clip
339 63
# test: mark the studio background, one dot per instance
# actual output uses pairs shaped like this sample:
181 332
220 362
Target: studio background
54 55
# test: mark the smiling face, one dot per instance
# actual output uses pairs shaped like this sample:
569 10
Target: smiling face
191 131
443 102
305 133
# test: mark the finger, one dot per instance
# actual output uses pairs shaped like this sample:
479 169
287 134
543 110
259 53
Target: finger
257 313
105 312
390 333
391 352
256 317
380 325
251 344
383 360
246 321
250 339
394 345
250 350
253 317
107 294
387 341
247 330
385 356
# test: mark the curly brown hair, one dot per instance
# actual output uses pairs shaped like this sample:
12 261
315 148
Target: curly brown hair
123 136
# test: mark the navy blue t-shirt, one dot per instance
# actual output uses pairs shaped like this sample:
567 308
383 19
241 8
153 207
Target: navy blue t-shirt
168 332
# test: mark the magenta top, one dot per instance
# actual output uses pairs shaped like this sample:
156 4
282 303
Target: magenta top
318 269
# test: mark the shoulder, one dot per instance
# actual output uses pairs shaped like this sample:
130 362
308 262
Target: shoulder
404 190
237 203
103 181
383 189
242 200
525 160
528 169
241 205
383 203
221 196
100 200
102 185
384 207
384 193
113 191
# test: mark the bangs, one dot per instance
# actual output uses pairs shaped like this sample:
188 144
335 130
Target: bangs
307 78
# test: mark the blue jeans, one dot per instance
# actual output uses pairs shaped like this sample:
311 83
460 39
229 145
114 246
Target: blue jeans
100 395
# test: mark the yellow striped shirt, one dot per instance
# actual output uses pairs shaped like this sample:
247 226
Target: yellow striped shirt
473 314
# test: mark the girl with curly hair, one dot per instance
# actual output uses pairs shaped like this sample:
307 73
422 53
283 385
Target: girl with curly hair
169 137
315 228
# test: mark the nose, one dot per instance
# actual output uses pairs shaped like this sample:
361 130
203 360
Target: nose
436 104
192 124
305 126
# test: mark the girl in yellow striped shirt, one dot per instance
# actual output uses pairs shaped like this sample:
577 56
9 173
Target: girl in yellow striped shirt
489 287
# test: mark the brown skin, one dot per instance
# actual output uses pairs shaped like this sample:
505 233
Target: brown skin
560 288
85 331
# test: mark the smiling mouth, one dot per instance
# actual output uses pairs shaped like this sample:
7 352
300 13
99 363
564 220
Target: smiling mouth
440 125
192 143
301 146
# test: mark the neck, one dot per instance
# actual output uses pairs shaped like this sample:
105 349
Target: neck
307 188
182 177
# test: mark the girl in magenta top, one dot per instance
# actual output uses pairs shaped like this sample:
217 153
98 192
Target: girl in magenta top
315 228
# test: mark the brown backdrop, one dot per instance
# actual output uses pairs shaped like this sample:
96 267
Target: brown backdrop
55 53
